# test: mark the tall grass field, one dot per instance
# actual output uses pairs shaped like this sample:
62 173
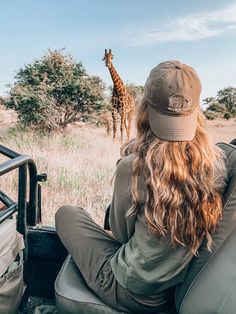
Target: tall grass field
80 165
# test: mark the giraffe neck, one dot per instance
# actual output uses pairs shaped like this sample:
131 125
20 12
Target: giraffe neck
118 83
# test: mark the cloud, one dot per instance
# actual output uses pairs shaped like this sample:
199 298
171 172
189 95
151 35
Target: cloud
190 28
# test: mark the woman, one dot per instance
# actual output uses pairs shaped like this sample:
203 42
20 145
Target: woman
166 199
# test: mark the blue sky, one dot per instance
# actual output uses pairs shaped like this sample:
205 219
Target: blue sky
141 34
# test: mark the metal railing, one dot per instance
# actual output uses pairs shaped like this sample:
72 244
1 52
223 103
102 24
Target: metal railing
28 212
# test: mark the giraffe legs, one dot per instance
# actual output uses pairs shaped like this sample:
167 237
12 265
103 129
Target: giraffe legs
129 122
128 125
114 119
122 124
125 117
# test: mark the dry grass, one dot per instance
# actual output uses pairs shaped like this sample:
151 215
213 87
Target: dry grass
79 164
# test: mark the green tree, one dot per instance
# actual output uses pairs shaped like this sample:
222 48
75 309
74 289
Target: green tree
227 96
211 115
223 105
134 90
217 107
54 91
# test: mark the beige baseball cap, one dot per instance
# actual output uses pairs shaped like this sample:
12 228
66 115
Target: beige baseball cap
172 92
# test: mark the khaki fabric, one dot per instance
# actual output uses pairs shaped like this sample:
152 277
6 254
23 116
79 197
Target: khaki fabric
172 92
10 245
11 252
11 290
92 249
11 271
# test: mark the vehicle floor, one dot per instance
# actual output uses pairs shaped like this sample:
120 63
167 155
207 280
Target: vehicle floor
33 302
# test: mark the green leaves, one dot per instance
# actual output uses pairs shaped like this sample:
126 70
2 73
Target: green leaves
54 91
134 90
224 105
227 96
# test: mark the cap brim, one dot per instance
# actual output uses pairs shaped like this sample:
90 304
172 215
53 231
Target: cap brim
172 128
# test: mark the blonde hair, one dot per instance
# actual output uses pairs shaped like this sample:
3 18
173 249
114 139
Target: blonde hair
183 198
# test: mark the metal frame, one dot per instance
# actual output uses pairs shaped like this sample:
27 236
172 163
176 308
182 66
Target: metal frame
28 213
21 162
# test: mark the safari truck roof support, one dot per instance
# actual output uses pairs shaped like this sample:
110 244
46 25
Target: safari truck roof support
44 253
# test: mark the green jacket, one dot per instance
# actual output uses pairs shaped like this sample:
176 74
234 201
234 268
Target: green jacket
145 264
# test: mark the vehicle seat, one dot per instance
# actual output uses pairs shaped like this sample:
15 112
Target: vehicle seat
73 295
210 285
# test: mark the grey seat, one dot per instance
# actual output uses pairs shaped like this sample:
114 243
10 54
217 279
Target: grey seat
73 295
210 284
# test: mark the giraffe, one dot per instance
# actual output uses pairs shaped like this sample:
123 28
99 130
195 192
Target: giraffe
122 101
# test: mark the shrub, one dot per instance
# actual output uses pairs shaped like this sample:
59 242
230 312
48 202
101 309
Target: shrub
55 91
217 107
227 116
211 115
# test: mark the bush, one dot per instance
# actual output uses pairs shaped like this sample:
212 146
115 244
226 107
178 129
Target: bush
227 96
211 115
134 90
227 116
55 91
223 103
217 107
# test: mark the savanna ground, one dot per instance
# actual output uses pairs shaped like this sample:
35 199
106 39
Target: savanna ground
80 163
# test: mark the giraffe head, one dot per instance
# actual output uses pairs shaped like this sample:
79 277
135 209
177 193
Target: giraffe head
108 56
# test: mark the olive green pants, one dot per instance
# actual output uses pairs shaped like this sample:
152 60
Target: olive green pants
91 249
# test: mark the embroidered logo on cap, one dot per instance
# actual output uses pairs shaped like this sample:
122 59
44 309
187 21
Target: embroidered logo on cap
178 103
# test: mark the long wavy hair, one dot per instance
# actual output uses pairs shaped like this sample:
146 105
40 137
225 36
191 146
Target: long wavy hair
183 181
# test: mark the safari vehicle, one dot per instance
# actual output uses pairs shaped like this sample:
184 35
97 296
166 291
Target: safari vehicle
33 261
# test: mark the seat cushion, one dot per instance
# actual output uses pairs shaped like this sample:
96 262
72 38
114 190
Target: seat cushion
211 276
74 296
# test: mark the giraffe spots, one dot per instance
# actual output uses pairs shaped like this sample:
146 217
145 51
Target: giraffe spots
122 103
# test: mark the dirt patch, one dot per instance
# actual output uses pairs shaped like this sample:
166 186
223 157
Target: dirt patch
222 130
